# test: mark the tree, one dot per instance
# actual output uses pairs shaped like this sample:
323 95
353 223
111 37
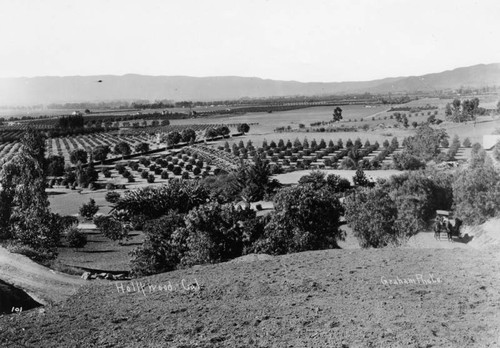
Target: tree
101 152
189 135
173 138
304 219
476 190
89 209
448 111
496 151
361 180
78 155
406 161
253 181
243 128
123 149
467 142
424 145
316 179
470 109
337 114
142 147
211 133
55 165
371 214
24 206
223 130
155 201
498 106
214 232
337 184
159 252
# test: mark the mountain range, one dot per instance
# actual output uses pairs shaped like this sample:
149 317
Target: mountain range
52 89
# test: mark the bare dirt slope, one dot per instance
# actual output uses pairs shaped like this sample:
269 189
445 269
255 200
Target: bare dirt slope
333 298
43 284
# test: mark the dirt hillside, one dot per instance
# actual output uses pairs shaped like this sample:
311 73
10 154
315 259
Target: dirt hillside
43 284
336 298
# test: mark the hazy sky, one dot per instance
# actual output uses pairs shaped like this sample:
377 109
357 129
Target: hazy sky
304 40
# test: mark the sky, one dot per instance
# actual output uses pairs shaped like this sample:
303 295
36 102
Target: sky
302 40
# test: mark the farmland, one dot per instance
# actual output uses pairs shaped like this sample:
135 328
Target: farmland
292 143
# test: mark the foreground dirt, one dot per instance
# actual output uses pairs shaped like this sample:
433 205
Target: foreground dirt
334 298
43 284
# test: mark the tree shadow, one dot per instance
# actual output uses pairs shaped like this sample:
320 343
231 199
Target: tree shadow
130 244
98 251
55 193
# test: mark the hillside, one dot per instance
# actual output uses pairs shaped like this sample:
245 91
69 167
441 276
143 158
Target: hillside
332 298
25 91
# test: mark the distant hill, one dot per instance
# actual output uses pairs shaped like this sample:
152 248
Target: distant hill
50 89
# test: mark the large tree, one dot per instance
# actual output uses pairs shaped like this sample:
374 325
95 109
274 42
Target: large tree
188 135
173 138
254 181
78 155
371 213
55 165
243 128
424 145
476 190
123 149
24 202
142 147
304 219
101 152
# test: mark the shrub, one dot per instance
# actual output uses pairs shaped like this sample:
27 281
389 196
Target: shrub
467 142
110 186
144 174
151 178
196 171
258 207
111 228
170 166
120 168
185 175
112 197
158 171
131 178
88 210
75 238
164 174
177 170
137 222
405 161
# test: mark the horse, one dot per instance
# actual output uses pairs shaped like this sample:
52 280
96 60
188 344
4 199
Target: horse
453 229
437 229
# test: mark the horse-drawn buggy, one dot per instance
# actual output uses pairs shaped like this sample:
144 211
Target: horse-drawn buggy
447 225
